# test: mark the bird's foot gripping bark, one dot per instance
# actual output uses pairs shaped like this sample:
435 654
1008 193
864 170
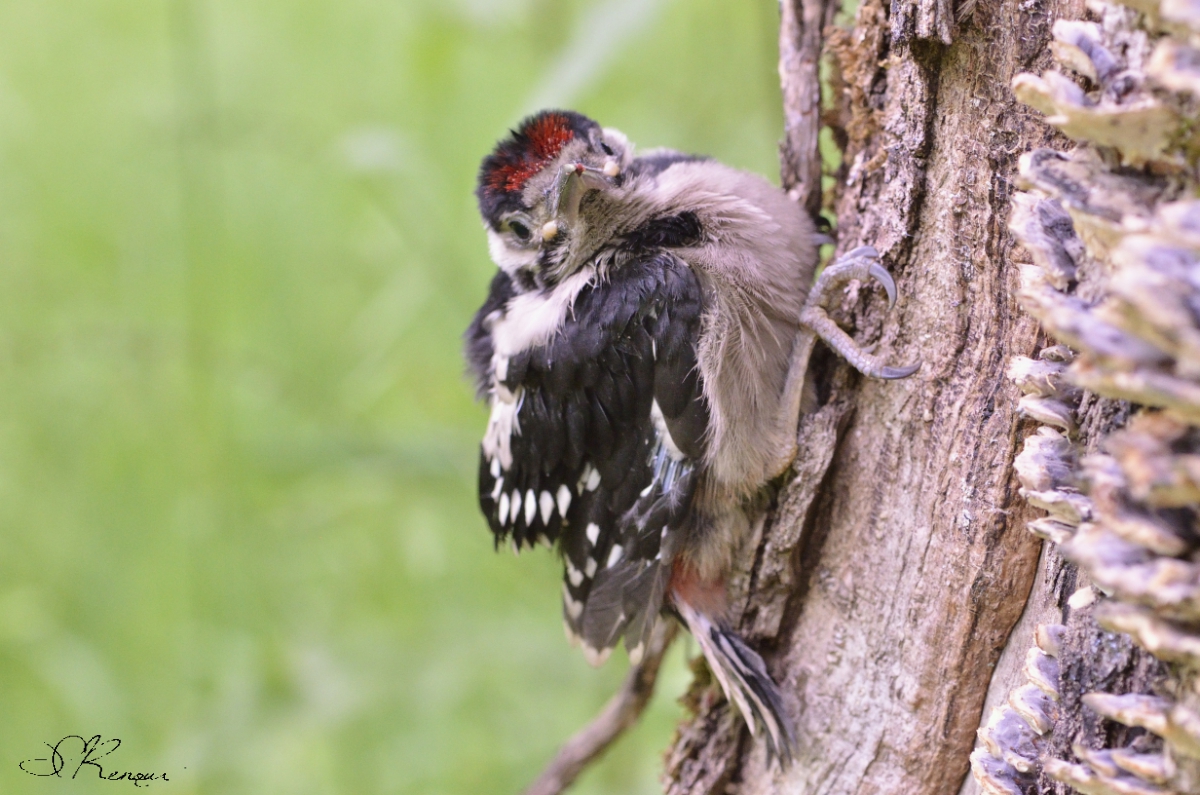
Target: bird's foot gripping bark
861 263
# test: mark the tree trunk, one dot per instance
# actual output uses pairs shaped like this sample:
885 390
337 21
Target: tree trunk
894 563
897 584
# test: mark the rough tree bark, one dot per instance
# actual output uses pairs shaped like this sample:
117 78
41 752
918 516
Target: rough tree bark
887 576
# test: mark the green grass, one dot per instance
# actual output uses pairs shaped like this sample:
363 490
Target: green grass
238 247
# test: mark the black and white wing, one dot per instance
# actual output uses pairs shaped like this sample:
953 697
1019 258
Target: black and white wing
603 429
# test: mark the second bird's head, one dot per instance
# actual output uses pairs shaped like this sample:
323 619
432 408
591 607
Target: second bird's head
547 192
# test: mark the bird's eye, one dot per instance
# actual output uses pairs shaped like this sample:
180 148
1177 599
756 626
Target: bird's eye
608 150
520 230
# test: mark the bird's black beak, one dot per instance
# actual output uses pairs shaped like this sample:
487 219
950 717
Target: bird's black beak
572 182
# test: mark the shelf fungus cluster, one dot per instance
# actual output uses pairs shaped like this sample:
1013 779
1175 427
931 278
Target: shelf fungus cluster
1112 231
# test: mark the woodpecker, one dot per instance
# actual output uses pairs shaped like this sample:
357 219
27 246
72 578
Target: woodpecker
642 350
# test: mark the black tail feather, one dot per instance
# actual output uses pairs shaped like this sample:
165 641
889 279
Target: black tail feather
743 676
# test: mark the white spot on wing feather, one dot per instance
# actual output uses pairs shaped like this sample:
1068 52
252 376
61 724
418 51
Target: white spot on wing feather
530 507
660 425
503 509
593 533
515 502
546 503
574 609
564 500
502 424
528 320
615 555
589 568
574 575
595 658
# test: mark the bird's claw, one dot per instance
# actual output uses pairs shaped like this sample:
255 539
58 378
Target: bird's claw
891 373
861 263
862 252
867 257
880 274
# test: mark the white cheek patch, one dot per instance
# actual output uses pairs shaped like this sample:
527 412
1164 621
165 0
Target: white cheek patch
618 141
509 259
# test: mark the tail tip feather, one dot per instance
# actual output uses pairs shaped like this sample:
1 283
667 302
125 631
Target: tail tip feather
743 677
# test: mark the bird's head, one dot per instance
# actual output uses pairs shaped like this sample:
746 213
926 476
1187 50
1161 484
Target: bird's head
538 193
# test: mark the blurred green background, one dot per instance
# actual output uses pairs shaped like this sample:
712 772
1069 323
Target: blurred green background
238 246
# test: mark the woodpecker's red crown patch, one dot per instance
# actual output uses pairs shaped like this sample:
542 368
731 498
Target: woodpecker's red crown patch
531 148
